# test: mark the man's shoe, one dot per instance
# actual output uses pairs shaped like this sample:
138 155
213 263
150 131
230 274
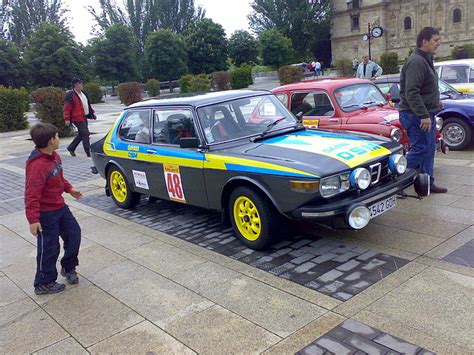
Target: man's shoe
52 287
88 155
72 152
438 190
71 276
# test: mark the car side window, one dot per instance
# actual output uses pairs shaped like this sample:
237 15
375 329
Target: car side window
322 105
455 74
136 126
302 104
471 75
170 125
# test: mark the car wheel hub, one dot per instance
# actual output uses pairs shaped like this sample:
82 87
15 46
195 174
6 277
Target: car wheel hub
118 186
454 135
247 218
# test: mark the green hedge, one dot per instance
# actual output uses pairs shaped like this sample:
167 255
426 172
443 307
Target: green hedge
290 74
241 77
129 93
194 83
153 87
94 92
344 67
13 105
389 63
49 108
220 80
185 83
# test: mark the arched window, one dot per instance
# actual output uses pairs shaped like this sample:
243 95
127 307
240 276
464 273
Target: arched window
457 15
407 23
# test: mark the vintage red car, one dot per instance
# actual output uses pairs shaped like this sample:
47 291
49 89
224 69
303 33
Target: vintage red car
343 104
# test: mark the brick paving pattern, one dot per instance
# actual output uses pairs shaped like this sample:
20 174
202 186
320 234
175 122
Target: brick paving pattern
338 270
11 194
464 255
353 337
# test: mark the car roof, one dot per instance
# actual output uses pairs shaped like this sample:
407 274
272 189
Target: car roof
321 83
199 99
469 61
388 78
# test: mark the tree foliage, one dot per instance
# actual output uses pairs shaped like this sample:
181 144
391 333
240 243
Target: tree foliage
166 55
52 56
207 47
276 49
114 55
243 48
305 22
24 16
12 68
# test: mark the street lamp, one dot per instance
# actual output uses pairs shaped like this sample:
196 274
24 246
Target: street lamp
374 31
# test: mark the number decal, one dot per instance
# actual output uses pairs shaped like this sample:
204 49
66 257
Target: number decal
173 182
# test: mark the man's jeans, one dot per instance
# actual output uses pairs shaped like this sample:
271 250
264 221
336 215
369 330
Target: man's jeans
54 224
82 135
422 143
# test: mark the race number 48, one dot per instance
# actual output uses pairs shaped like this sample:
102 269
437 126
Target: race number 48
173 183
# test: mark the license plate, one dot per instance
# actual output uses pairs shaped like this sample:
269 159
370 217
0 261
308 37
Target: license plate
382 206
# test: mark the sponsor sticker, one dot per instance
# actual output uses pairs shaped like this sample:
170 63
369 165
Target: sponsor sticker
140 179
311 123
173 182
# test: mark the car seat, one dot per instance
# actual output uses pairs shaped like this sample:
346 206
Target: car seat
177 126
225 126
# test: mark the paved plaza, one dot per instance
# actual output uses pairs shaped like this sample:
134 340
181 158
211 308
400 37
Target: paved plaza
165 278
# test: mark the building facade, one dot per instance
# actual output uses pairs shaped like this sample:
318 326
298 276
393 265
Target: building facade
401 20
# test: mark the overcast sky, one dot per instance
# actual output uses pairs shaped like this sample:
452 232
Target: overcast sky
231 14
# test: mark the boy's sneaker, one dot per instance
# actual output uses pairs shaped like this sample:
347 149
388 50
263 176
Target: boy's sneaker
52 287
71 276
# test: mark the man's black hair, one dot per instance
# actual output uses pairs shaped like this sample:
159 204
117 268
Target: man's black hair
425 34
41 133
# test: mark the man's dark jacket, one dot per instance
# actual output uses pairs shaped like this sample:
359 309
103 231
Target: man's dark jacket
419 92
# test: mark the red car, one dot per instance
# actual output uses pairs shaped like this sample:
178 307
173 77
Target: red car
343 104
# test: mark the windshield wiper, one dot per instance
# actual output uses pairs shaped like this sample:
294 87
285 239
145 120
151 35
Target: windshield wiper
271 125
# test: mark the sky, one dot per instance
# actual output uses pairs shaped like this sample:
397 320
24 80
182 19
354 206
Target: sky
231 14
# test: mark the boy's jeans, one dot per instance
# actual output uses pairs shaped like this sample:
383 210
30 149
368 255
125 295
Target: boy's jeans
422 143
54 224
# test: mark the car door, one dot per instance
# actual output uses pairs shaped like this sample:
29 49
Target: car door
176 173
320 112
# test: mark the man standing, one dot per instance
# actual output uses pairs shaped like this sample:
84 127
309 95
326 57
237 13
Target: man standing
461 53
77 109
368 69
419 101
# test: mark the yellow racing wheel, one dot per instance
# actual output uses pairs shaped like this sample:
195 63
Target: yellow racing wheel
120 189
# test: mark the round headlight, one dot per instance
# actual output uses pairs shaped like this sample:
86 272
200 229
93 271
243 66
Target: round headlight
358 217
439 123
396 135
397 164
360 178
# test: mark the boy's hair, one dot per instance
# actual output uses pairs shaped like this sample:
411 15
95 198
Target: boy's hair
425 34
41 133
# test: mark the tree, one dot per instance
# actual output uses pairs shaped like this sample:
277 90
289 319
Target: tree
114 55
276 49
12 68
243 48
305 22
207 47
52 56
166 55
176 15
25 16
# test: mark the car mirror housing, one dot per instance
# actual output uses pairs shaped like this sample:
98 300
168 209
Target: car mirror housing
189 142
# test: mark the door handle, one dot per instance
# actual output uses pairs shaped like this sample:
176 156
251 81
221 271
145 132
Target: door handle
334 120
151 151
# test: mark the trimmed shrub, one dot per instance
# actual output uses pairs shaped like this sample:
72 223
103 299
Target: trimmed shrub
49 108
130 92
200 83
185 83
241 77
290 74
94 92
389 63
220 80
13 105
153 87
344 67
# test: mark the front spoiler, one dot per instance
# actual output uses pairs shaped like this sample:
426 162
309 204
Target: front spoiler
340 207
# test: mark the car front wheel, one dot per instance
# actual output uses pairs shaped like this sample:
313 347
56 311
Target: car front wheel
254 219
120 189
456 133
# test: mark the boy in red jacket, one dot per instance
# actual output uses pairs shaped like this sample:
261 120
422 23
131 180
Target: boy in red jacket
49 217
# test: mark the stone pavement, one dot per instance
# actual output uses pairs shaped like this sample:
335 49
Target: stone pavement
163 278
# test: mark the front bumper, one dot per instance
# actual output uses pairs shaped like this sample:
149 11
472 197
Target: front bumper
324 211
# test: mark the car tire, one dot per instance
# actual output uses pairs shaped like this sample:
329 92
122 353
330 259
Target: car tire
456 133
120 190
253 218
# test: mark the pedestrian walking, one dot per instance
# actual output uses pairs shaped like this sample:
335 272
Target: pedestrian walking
419 101
355 65
77 109
368 69
48 215
317 68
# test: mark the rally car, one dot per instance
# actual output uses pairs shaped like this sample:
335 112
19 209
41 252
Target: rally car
244 154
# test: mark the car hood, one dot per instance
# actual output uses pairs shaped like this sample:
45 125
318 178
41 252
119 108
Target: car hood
382 116
306 153
458 100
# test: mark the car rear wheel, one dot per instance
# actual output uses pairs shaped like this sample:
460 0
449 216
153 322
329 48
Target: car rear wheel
456 133
253 218
120 189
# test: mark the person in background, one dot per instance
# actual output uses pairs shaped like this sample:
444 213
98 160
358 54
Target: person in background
368 69
355 65
317 68
419 101
461 53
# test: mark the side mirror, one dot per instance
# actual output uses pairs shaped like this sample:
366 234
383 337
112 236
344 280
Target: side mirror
189 142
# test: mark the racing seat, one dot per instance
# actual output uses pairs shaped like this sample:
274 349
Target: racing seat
225 126
177 126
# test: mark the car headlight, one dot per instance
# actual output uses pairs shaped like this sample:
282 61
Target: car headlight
439 123
397 164
358 216
334 185
396 135
360 178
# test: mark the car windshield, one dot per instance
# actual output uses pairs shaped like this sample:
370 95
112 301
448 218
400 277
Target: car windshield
253 116
354 97
446 89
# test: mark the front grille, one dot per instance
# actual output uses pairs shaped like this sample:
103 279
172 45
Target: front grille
379 170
